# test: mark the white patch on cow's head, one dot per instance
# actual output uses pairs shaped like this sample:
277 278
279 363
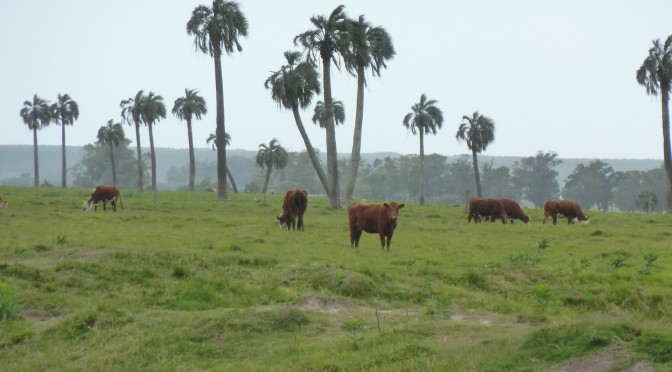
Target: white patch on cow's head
585 222
87 205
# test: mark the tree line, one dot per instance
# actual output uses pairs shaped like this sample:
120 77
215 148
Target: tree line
335 40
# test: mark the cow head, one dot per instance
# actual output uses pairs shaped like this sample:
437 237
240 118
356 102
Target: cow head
87 205
284 220
392 210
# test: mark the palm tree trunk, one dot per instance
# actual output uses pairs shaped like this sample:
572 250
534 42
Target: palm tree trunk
477 174
63 164
153 155
139 154
268 177
667 147
422 166
233 183
35 158
192 159
114 169
355 156
332 161
311 151
222 190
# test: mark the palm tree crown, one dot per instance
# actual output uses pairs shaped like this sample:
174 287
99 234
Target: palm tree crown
111 134
321 114
328 38
65 110
656 71
368 47
295 83
190 105
271 156
424 117
217 27
36 114
478 132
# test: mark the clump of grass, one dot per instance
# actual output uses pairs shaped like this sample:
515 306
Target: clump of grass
290 318
7 302
354 326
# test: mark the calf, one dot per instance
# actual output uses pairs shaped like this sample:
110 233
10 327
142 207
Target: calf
104 194
293 207
567 208
373 218
514 211
488 208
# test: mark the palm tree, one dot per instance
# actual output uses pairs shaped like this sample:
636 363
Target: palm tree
478 132
152 110
425 118
369 48
269 157
112 134
227 142
656 75
328 39
185 108
36 115
64 112
292 87
130 112
216 29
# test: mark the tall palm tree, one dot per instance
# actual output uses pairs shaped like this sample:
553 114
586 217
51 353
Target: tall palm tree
36 115
327 40
112 134
227 141
64 112
656 75
130 112
269 157
424 118
369 48
293 87
152 110
186 108
478 132
216 29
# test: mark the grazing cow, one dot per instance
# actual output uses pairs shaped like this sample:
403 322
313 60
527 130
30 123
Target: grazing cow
104 194
567 208
514 211
488 208
373 218
293 207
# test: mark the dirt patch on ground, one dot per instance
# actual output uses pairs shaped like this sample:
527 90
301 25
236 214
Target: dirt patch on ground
608 360
325 305
475 318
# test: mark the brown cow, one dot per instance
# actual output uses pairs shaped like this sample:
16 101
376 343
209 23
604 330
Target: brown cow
103 194
293 206
373 218
488 208
514 211
567 208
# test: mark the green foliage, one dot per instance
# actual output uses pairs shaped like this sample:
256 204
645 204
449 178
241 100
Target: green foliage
354 326
7 302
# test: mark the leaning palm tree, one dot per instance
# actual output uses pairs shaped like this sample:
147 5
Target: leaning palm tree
656 75
152 110
186 108
425 118
293 87
369 48
269 157
227 141
64 112
130 112
327 40
215 30
478 132
112 134
36 115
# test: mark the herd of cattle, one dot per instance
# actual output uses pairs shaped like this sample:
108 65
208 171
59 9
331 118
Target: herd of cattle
375 218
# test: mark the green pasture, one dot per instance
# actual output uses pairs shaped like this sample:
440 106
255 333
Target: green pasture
199 284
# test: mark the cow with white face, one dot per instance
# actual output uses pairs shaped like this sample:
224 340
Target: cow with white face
101 195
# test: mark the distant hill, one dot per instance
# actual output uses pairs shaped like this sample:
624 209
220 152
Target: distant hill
18 159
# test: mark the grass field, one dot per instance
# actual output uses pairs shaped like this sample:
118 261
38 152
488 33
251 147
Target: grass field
197 284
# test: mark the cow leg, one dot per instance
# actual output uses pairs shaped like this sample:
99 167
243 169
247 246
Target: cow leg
555 219
354 237
114 205
389 240
382 241
300 223
104 206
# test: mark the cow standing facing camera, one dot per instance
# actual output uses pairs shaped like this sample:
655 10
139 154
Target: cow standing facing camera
102 195
373 218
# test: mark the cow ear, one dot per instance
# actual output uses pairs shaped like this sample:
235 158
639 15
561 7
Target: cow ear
385 205
402 205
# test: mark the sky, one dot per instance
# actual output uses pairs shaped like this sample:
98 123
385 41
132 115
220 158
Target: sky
554 75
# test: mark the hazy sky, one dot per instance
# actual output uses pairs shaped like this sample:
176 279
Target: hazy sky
553 75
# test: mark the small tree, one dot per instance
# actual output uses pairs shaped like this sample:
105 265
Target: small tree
185 108
113 135
36 115
269 157
227 141
478 132
646 201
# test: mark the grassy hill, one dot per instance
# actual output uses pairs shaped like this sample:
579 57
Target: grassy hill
197 283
